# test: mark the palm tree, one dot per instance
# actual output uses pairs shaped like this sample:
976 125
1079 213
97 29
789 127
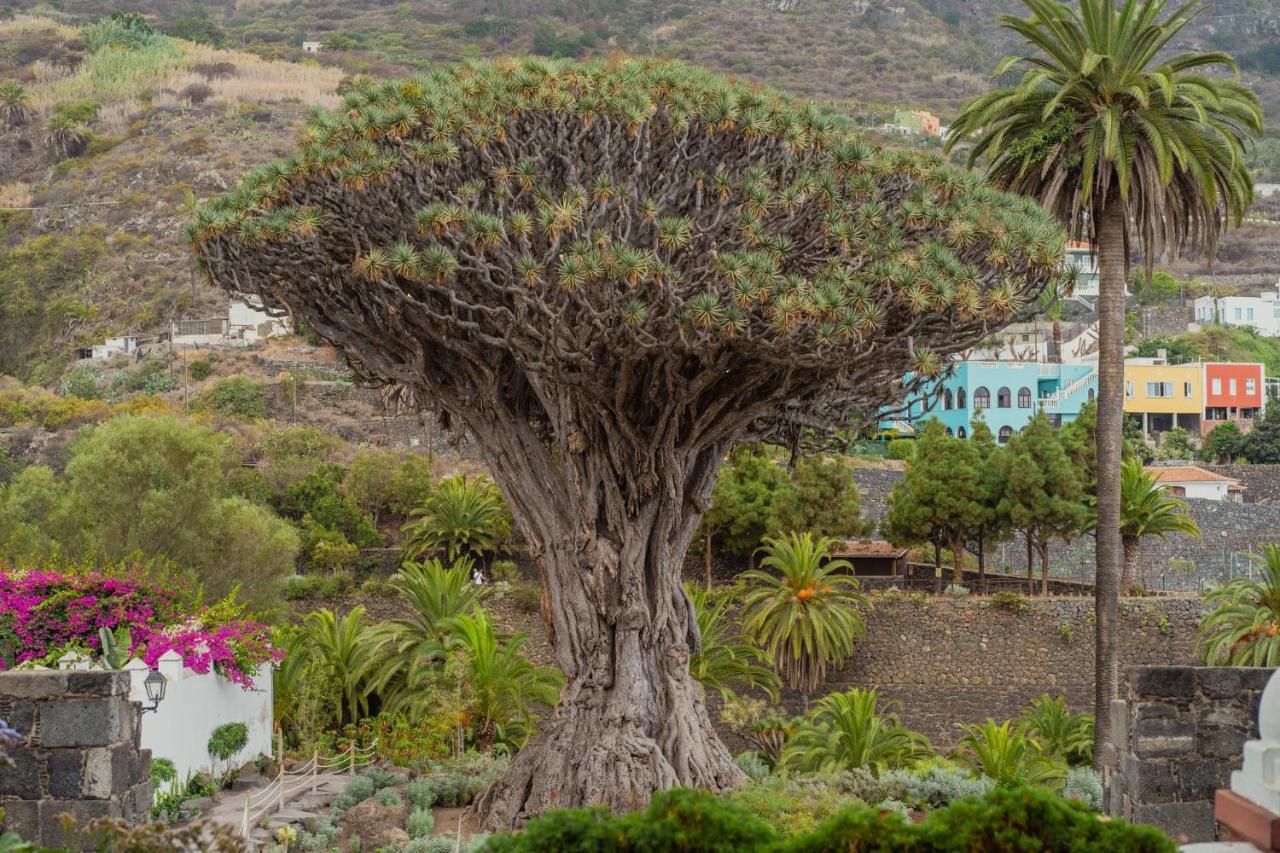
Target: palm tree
727 659
1242 627
848 730
15 105
409 645
65 136
1111 133
1061 733
343 654
1006 754
1147 509
501 685
806 616
464 515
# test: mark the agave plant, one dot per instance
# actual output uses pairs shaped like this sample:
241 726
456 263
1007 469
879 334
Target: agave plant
1007 754
727 659
1242 627
1061 733
464 515
850 730
805 616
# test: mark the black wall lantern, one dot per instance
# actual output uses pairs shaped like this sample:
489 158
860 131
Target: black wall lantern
154 684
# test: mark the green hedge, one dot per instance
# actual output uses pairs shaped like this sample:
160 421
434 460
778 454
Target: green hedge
686 821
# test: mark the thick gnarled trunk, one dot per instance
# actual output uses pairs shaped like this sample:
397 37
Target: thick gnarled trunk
631 720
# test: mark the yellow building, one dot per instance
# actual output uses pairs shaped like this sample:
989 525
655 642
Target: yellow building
1164 395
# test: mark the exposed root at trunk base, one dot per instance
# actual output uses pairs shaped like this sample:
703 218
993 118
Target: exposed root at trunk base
584 759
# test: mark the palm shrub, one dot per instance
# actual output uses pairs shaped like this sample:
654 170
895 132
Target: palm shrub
500 685
1119 138
65 137
1005 753
1242 625
1147 509
849 730
1062 734
342 650
412 647
806 616
464 515
15 105
726 659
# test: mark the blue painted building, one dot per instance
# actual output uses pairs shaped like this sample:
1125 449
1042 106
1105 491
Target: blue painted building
1008 393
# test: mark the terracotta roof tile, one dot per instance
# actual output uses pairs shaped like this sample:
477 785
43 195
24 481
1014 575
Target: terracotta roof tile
1186 474
867 548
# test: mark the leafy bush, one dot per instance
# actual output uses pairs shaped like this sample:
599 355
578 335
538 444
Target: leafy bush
324 586
1062 734
848 730
901 449
200 369
1006 600
684 820
81 382
228 739
390 798
1084 784
790 806
753 765
359 789
506 571
420 822
934 787
237 396
162 772
1006 754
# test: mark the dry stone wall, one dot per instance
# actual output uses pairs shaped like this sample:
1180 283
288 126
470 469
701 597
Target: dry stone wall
950 661
1261 482
79 754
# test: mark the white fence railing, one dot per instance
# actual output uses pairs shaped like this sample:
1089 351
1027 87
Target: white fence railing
286 785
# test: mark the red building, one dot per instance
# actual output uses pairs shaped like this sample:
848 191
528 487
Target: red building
1232 392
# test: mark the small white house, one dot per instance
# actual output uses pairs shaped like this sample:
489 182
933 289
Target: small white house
311 46
1261 312
248 321
112 346
1191 481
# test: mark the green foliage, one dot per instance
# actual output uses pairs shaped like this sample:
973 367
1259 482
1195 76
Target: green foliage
359 789
727 658
806 616
389 797
200 369
1243 618
901 449
1008 600
820 497
227 740
1062 735
850 730
162 772
1176 443
1005 753
698 822
333 585
1224 444
342 653
317 500
1160 288
420 822
462 516
81 382
791 805
1217 343
237 396
1147 508
1085 785
120 31
384 481
155 486
1261 445
741 510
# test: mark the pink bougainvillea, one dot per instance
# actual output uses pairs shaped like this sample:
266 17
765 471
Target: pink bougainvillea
45 614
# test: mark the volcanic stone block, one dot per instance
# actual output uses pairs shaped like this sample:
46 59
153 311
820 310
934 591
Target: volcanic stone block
82 722
65 768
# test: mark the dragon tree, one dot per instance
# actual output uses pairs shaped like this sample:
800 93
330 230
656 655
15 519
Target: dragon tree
609 273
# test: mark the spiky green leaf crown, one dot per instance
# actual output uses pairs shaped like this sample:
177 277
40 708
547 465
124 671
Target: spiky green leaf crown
569 222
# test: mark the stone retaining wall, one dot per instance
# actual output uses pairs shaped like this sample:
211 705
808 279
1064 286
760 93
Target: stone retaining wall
963 660
1156 321
1261 482
1179 731
79 755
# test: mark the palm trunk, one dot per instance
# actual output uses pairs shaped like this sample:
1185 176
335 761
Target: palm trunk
1057 341
1044 568
1129 547
1031 559
1111 270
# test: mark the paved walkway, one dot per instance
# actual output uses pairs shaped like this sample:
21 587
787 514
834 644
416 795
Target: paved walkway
301 805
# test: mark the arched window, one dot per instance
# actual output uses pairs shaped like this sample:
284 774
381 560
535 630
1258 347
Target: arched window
1092 394
981 397
959 398
1024 398
1006 433
962 433
950 433
946 399
1004 399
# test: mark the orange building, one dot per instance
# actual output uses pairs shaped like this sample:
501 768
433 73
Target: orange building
1232 392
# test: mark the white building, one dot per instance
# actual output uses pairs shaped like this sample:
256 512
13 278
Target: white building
311 46
112 346
1261 312
245 323
1190 481
1033 341
1081 257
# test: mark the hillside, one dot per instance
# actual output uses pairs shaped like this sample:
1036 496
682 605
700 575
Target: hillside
91 216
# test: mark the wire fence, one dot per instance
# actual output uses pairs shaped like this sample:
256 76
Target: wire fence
287 785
